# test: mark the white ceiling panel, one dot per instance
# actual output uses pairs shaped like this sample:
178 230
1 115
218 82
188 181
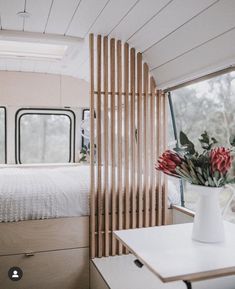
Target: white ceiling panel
138 16
85 16
8 11
182 35
38 15
171 18
214 21
212 56
112 15
61 15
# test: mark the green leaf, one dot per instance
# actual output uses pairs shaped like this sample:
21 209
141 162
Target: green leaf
232 140
210 181
214 140
187 144
205 141
204 138
216 175
82 159
201 179
83 151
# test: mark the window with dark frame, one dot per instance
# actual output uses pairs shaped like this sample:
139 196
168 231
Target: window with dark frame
207 105
3 147
85 137
45 136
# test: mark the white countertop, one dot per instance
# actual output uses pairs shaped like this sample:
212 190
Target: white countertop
170 253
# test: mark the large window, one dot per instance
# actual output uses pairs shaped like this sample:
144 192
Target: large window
206 106
2 135
45 136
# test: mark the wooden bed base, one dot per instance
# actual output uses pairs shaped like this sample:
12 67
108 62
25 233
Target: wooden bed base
53 253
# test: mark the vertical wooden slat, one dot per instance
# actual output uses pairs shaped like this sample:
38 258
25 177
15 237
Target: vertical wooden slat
99 148
113 141
133 187
158 148
152 148
120 186
139 140
106 144
146 147
127 135
92 168
165 179
133 140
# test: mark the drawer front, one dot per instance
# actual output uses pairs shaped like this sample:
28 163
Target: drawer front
64 269
44 235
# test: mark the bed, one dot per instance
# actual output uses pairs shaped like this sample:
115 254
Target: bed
43 193
44 226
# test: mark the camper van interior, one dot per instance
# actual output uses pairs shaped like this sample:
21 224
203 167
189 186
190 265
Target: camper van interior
117 144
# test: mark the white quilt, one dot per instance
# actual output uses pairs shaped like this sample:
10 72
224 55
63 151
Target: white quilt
28 194
40 193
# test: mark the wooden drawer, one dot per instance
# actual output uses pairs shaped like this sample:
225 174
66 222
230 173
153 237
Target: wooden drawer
64 269
44 235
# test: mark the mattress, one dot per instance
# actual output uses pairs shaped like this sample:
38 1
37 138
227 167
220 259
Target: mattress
29 194
43 193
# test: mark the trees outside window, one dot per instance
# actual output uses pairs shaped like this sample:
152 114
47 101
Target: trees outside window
207 106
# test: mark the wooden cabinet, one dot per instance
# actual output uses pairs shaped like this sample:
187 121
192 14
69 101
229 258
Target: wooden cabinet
44 235
53 254
63 269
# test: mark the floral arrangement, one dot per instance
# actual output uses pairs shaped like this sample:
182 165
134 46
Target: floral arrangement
208 168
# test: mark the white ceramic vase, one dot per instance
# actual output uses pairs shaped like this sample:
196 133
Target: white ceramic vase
208 224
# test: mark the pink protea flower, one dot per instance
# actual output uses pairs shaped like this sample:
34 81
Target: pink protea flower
221 160
168 162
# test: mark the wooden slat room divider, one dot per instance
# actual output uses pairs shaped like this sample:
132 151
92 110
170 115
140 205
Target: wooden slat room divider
128 132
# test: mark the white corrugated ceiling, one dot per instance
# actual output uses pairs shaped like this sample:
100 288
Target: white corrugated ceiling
180 39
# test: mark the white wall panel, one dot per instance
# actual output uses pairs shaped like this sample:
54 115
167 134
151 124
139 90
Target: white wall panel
27 65
74 92
25 89
85 16
137 17
41 66
173 16
212 56
204 27
2 64
38 15
37 89
61 15
8 10
13 64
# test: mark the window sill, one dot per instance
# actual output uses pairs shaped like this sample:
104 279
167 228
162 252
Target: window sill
184 210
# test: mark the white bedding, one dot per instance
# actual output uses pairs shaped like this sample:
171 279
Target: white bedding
28 194
42 193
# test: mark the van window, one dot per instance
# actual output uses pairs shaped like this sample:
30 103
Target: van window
85 124
2 135
207 106
44 137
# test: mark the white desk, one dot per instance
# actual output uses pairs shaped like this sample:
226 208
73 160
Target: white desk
170 253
